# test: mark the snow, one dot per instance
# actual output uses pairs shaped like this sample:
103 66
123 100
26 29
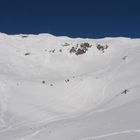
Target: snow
46 92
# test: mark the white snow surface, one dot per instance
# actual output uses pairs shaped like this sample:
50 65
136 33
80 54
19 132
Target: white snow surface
48 93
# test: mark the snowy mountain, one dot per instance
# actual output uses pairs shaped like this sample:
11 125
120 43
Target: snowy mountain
59 88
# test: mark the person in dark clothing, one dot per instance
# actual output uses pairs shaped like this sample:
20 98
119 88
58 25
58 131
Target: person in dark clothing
125 91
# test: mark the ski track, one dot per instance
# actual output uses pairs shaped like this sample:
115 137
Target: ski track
111 134
28 137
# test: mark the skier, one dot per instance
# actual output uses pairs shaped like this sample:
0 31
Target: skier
125 91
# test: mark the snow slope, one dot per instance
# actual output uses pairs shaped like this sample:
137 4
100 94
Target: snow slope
48 92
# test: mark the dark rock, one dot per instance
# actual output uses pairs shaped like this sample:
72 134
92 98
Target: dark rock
43 82
28 53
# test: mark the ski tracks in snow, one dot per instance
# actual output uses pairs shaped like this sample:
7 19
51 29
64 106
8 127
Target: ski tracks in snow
111 134
28 137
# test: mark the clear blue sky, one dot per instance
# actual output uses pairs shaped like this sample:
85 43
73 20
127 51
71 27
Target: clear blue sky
74 18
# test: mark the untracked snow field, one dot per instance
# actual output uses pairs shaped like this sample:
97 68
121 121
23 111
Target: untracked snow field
59 88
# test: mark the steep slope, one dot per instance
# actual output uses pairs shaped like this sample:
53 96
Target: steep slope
50 83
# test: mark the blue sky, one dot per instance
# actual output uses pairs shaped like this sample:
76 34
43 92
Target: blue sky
74 18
